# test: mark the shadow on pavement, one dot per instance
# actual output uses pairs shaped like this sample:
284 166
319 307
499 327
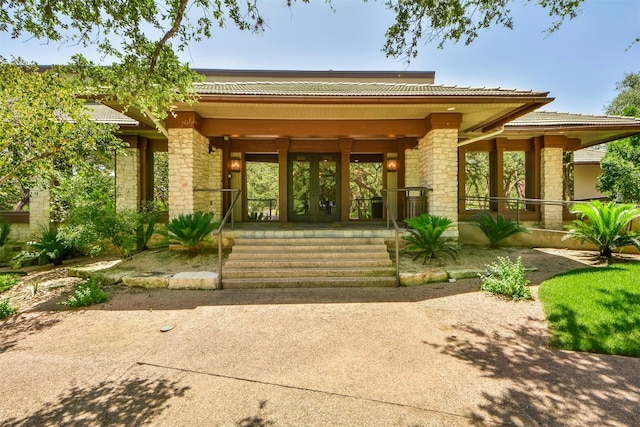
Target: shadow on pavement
125 403
545 386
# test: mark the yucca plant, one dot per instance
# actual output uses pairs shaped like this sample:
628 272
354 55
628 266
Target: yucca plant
189 230
604 225
496 229
424 238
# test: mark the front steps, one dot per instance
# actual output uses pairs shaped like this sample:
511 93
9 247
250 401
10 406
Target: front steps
301 262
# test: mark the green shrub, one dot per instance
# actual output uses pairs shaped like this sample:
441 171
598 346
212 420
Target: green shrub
86 294
424 238
146 227
50 246
5 229
507 278
496 229
190 229
604 225
8 281
7 309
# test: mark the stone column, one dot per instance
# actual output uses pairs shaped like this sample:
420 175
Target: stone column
188 170
551 182
412 168
39 208
214 163
438 158
128 179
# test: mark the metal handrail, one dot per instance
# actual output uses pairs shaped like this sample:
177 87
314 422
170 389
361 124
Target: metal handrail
218 232
390 217
519 201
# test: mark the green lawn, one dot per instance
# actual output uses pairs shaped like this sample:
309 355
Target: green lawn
595 309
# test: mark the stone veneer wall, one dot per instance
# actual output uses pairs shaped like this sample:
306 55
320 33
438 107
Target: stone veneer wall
551 187
39 208
128 179
438 154
412 168
188 169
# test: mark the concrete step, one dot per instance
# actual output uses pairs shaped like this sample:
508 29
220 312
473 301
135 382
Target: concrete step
269 273
316 256
307 248
308 262
309 282
332 263
313 241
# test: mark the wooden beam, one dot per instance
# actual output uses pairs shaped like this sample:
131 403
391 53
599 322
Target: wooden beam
313 128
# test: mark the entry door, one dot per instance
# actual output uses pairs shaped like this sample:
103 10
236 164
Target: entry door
314 183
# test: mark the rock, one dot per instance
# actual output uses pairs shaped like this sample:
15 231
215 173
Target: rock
194 280
465 273
416 279
147 280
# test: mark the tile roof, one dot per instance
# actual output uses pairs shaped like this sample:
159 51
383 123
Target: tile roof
353 89
103 114
551 118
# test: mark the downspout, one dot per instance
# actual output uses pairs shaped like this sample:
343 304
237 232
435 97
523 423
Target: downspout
481 137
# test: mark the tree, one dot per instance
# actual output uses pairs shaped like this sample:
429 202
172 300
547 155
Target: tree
620 178
142 37
45 130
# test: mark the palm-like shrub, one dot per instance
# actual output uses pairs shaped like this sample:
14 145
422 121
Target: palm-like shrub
50 246
190 229
604 225
496 229
424 238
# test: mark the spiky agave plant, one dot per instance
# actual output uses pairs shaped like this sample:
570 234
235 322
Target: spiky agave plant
189 230
496 229
424 238
604 225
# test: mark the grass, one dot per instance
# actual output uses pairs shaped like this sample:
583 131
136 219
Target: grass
595 309
8 281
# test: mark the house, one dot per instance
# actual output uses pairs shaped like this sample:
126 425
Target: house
310 133
586 171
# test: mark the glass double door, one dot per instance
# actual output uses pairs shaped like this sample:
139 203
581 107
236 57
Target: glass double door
314 187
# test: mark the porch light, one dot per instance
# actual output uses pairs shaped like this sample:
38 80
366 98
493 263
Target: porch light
392 165
235 165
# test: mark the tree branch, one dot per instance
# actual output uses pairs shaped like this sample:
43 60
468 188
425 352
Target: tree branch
169 34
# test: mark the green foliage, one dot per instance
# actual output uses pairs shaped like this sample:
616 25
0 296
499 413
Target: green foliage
8 281
365 183
496 229
50 246
146 224
189 230
86 294
7 309
627 102
424 238
507 278
604 225
45 129
442 21
620 178
5 230
595 309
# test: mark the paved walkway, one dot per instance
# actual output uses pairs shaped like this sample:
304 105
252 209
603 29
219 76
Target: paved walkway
440 355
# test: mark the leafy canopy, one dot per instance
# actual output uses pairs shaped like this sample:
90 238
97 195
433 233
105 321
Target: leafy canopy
620 178
45 128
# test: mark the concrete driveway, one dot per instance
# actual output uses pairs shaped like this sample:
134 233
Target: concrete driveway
438 355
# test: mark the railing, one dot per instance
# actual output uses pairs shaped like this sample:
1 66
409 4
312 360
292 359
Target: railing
218 232
516 204
262 202
391 217
364 208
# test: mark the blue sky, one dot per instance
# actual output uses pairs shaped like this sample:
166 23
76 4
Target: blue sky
579 64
